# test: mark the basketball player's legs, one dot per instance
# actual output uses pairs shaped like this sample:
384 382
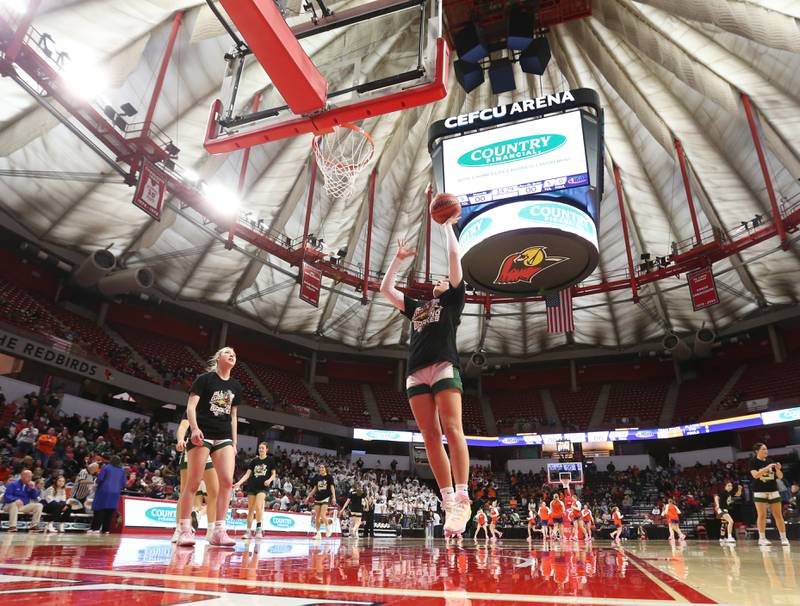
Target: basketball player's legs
448 404
261 499
195 464
424 408
182 474
251 509
212 490
355 523
322 515
726 517
529 530
224 460
777 515
761 517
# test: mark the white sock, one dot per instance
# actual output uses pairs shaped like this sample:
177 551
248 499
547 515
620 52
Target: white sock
186 525
220 524
783 535
761 535
447 494
461 491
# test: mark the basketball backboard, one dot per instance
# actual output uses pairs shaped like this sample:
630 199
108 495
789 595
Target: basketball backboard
565 470
367 59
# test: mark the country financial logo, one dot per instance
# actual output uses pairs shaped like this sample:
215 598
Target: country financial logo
525 265
512 150
281 521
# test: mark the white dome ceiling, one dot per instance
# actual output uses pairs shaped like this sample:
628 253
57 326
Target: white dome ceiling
664 69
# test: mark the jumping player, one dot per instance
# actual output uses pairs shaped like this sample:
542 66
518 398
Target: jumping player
494 515
544 519
725 510
672 515
355 499
209 480
325 493
261 472
433 384
211 410
617 517
587 520
481 520
557 517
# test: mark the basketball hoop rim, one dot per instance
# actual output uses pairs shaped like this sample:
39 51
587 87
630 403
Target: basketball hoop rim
318 154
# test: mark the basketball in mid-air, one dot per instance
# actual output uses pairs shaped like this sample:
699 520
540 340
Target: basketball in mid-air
444 206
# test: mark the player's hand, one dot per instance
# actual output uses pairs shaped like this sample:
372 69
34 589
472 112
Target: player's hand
777 466
197 437
453 220
180 445
404 251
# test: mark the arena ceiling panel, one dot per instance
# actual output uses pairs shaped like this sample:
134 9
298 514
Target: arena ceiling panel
664 69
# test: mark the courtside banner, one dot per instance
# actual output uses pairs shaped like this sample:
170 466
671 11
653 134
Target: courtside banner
150 190
702 288
310 284
157 514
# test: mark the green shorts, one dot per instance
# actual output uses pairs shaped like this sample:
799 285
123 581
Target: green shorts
212 445
767 497
433 379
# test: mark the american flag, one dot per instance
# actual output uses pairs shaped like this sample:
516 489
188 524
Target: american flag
559 311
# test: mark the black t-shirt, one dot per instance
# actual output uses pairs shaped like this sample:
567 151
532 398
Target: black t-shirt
218 398
767 482
260 472
323 484
356 501
433 328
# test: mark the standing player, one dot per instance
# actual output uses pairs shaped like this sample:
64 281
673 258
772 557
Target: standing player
209 480
672 515
261 472
211 410
617 518
726 509
576 520
480 522
433 384
557 517
587 520
355 499
325 493
531 519
544 519
494 515
764 486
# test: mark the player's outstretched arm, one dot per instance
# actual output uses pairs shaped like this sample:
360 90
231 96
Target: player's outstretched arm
453 260
388 289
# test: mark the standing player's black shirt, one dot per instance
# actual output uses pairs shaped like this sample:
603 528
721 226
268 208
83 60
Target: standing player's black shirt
356 501
766 483
433 328
323 484
260 472
218 398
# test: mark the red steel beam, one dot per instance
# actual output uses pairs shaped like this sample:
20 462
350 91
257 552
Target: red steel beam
428 234
688 187
353 112
242 174
162 74
13 47
632 275
275 46
773 201
311 186
365 286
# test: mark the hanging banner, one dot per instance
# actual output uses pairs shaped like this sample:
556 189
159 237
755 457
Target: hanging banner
310 284
702 288
150 190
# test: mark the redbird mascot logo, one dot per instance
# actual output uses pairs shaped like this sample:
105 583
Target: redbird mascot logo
523 266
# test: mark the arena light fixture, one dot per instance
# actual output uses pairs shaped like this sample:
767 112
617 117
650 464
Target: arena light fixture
17 7
84 80
223 199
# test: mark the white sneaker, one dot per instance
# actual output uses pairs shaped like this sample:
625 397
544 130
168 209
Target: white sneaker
730 540
785 541
50 527
458 516
247 534
259 533
61 527
175 535
328 530
317 536
764 542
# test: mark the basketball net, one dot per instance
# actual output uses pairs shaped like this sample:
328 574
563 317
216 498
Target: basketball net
341 155
565 484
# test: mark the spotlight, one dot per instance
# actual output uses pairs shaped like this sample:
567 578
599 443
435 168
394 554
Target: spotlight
120 123
128 109
190 175
16 6
645 256
469 75
470 43
172 150
222 199
342 252
85 81
109 112
501 76
520 29
535 58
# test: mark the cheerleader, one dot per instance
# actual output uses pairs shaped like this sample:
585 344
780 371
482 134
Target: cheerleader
531 520
480 522
544 519
672 515
494 515
617 517
587 520
557 517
